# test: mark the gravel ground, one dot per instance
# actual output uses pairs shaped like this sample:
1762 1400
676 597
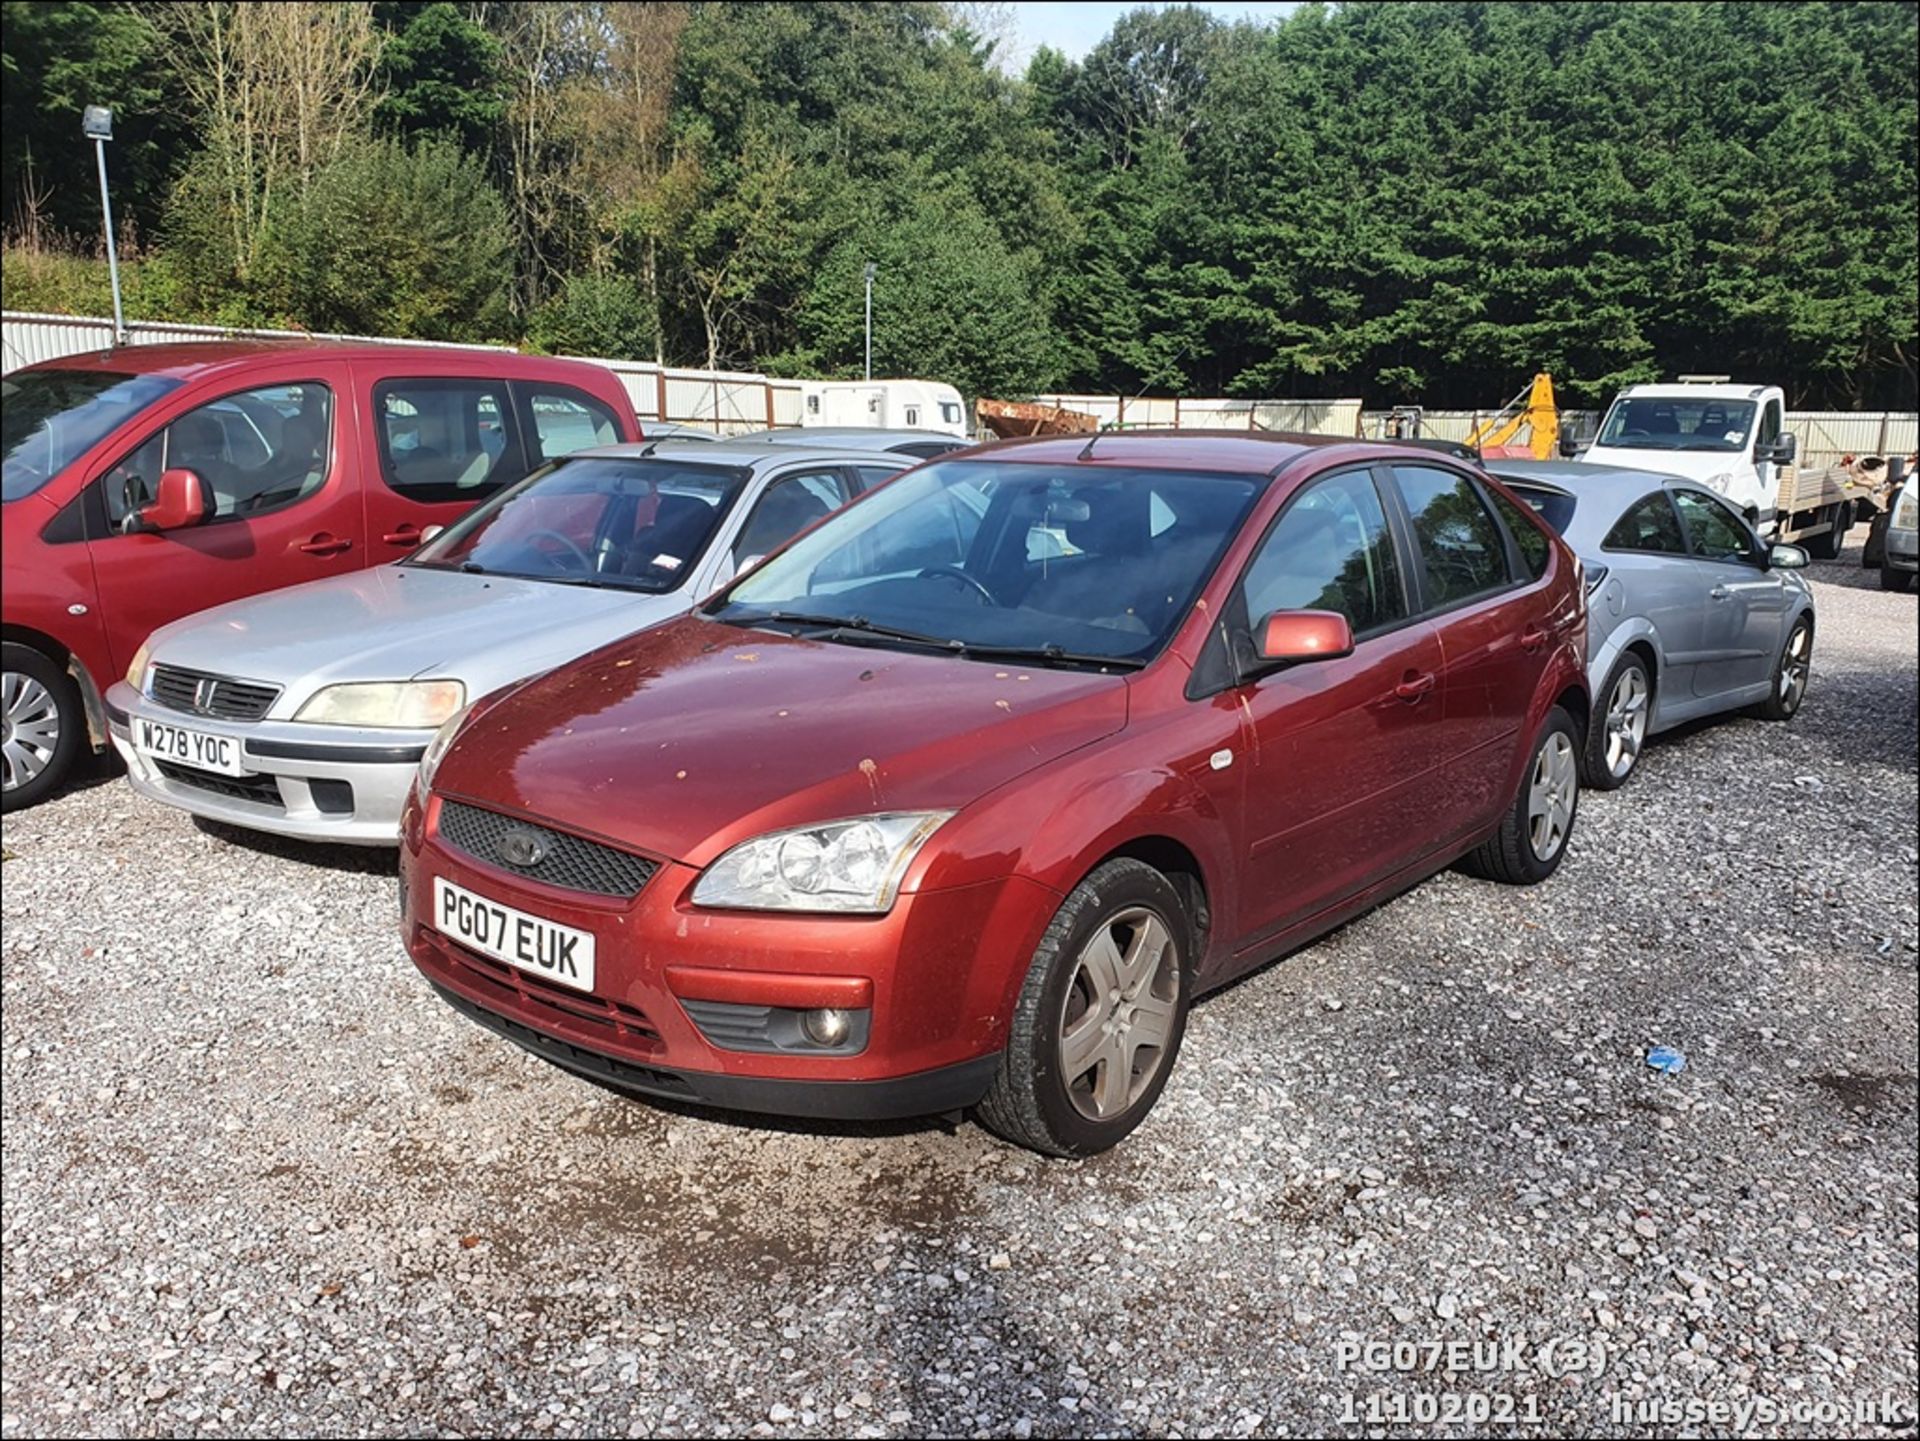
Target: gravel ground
257 1180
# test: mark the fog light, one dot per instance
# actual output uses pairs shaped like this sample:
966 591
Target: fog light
826 1027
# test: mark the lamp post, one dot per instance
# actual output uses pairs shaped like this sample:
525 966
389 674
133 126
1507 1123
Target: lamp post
96 123
872 269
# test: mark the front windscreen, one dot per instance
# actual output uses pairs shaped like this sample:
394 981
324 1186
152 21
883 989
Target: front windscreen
52 417
1075 564
1677 422
636 523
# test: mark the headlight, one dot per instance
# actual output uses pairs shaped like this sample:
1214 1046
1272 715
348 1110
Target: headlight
1723 482
1906 513
407 704
436 749
137 672
850 865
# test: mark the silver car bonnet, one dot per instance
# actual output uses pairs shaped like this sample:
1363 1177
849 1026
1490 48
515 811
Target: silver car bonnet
399 622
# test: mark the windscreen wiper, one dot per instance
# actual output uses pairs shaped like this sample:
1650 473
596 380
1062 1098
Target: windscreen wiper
1051 655
854 624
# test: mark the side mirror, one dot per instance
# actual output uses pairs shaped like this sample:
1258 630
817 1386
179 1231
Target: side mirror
1785 447
185 500
1290 637
1787 557
1569 447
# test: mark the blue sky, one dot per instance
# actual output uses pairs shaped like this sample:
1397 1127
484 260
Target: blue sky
1077 28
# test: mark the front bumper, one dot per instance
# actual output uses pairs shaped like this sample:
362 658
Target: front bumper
317 783
935 977
1903 549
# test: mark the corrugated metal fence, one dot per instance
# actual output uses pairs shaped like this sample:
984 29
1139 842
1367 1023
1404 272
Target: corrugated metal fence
725 401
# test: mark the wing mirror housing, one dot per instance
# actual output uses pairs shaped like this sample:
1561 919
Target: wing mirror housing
1787 557
185 500
1782 451
1569 447
1297 637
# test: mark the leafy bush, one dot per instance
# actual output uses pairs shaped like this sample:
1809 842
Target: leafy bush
599 315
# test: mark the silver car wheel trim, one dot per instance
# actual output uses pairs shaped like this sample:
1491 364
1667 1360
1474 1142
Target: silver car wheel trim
1118 1013
1794 667
31 728
1626 722
1550 798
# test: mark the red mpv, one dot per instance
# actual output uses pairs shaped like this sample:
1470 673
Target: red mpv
961 798
148 482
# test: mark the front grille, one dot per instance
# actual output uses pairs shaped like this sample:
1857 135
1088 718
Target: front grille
627 1023
565 860
261 790
200 693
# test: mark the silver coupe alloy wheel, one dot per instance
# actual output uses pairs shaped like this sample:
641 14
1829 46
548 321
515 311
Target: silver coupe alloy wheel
1626 722
1794 668
1550 799
1119 1013
31 728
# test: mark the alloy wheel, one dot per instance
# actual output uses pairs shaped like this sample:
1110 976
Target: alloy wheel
1551 796
1119 1013
29 728
1626 721
1796 664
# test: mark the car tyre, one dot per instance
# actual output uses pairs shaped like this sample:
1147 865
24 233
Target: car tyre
1792 669
1533 836
1828 544
44 723
1900 581
1099 1020
1619 729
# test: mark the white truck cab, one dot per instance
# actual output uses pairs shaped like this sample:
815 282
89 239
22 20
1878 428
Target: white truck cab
886 404
1730 438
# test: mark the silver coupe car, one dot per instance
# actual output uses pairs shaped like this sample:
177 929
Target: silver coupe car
1689 612
304 711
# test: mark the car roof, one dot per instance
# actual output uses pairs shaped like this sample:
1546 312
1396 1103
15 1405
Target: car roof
1230 451
1686 390
868 437
729 452
1606 482
193 360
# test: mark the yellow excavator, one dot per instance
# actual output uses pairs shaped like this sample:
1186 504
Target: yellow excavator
1532 410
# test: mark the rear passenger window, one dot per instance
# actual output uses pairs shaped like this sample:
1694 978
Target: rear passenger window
447 440
1649 525
1461 552
564 421
1528 538
872 475
258 450
1332 550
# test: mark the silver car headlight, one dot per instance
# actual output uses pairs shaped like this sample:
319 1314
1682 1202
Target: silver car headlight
436 750
854 865
1906 512
137 671
404 705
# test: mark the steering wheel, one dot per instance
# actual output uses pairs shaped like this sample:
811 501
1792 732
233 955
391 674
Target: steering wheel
586 561
971 582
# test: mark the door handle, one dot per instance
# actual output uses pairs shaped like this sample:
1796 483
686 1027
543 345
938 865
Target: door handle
325 544
406 533
1533 637
1720 592
1414 686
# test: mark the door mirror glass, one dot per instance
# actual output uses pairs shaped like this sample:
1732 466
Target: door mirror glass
1289 637
184 500
1787 557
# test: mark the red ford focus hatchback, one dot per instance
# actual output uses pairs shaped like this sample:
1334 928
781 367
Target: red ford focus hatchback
963 797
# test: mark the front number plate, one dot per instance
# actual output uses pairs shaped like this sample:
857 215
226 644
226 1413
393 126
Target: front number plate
545 948
198 749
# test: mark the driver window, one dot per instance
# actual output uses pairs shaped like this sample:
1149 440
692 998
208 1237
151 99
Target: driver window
1460 547
1331 550
1715 532
1769 426
789 506
258 450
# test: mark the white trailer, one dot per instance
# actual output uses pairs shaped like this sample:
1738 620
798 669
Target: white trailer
884 404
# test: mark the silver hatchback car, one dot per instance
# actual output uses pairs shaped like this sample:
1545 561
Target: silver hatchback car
1689 612
305 711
